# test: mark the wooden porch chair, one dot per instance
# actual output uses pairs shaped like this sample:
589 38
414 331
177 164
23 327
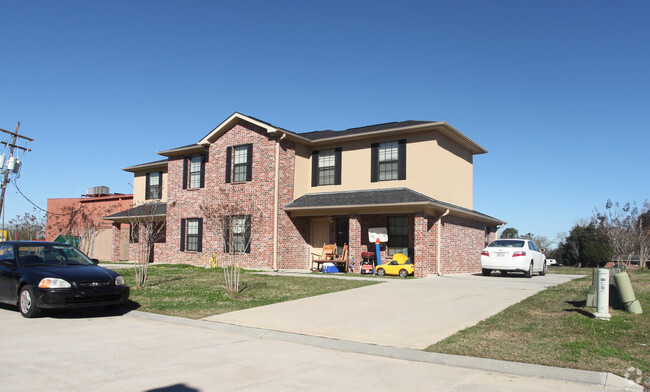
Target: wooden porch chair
328 255
343 258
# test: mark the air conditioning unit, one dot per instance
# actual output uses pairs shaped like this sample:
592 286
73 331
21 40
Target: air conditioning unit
98 191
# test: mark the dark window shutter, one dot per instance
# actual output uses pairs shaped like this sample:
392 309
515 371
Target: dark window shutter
247 237
374 162
249 163
337 165
160 185
185 164
182 235
401 159
314 168
199 247
202 181
228 160
147 193
226 234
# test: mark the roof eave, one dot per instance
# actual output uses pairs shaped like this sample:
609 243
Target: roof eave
146 166
174 152
474 147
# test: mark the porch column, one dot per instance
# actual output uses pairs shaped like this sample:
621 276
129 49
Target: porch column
116 235
355 241
424 256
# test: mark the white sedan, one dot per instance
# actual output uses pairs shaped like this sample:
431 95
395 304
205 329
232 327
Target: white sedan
513 255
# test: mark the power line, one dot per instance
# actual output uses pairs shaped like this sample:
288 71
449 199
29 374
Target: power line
34 204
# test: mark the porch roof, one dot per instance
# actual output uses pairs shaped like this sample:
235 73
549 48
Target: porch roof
377 201
155 210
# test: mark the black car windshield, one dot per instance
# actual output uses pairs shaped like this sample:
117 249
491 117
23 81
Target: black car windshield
507 244
48 254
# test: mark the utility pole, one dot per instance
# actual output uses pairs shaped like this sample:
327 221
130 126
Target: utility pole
13 164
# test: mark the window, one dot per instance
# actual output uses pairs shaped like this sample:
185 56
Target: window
388 161
194 172
239 163
191 234
398 235
326 167
153 187
237 236
7 252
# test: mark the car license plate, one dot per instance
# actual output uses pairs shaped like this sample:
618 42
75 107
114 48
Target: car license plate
501 254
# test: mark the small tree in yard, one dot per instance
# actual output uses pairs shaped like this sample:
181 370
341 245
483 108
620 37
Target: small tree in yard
231 220
621 225
147 227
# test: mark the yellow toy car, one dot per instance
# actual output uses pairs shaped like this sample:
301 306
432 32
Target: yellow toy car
400 265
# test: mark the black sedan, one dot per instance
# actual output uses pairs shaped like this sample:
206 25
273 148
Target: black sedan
37 275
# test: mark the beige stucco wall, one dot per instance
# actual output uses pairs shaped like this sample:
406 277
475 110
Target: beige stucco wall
435 166
139 185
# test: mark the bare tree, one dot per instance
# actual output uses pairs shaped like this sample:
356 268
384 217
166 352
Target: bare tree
80 220
542 242
619 224
644 236
147 227
231 220
27 226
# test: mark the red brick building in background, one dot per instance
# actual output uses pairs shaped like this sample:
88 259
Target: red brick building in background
69 216
301 190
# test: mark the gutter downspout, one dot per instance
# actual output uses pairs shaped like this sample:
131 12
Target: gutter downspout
275 203
439 241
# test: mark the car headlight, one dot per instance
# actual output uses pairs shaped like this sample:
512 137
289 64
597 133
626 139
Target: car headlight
119 281
53 283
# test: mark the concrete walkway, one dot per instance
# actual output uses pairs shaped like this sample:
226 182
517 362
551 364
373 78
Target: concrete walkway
412 313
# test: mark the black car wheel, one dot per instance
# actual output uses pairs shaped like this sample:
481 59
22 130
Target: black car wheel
529 273
543 271
486 272
381 272
27 303
403 273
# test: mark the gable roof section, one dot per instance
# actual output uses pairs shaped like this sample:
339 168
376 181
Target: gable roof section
232 120
379 198
327 136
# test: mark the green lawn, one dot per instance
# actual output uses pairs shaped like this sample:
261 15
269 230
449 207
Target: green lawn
196 292
555 328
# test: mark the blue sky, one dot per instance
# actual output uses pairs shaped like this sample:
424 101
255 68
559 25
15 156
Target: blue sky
558 92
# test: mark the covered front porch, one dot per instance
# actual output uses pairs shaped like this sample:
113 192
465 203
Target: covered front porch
439 238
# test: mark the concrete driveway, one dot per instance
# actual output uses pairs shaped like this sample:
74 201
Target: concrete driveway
87 350
413 313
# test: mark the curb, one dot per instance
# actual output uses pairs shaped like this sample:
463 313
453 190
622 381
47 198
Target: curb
602 379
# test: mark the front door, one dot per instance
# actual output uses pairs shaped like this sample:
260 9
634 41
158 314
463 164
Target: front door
320 234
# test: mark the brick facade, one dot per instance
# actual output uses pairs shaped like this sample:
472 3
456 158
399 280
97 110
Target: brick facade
460 239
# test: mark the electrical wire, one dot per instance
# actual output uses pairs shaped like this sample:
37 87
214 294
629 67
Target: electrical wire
15 183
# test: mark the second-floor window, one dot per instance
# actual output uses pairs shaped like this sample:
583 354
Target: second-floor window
239 163
326 167
388 161
194 172
154 186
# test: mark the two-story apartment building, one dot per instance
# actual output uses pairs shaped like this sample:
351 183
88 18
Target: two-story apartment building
289 193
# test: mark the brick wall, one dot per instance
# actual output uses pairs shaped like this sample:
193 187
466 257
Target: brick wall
254 198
